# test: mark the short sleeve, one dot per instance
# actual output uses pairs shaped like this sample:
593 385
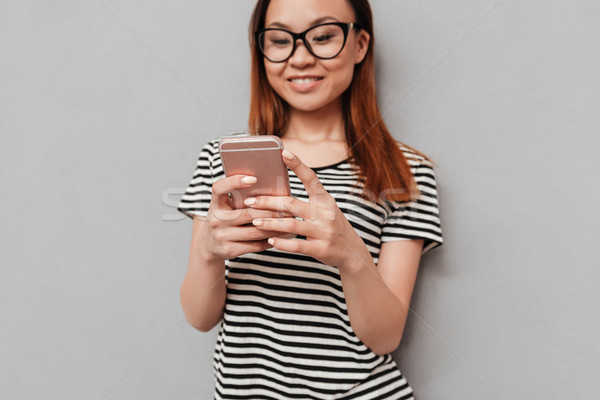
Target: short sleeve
196 199
420 218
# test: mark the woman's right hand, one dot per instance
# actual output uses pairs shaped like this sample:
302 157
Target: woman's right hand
227 232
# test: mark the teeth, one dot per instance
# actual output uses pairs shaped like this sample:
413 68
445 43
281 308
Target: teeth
305 80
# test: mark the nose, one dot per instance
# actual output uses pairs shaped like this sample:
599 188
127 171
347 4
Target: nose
301 57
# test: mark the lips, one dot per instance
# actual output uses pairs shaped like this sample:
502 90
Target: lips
304 83
302 80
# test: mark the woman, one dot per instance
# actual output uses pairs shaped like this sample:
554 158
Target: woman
313 317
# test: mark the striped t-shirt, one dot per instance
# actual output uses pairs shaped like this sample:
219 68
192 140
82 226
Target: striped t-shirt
285 332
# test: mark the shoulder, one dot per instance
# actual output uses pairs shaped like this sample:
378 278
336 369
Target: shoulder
414 157
420 165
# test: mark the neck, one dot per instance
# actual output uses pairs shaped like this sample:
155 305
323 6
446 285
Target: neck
324 124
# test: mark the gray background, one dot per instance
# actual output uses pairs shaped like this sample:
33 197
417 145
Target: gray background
104 106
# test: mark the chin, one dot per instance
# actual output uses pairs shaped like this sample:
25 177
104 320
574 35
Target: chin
310 105
306 107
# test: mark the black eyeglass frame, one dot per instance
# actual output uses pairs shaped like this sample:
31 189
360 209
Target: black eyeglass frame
346 27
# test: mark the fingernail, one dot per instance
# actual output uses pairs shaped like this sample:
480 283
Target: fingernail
271 241
287 154
257 222
250 200
248 180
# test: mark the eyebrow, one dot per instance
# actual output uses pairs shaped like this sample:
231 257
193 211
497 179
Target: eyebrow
315 22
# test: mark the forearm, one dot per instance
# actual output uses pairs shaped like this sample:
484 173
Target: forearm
203 292
376 314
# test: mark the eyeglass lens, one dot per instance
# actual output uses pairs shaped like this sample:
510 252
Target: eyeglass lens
325 41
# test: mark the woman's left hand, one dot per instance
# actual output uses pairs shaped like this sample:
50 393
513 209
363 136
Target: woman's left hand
329 236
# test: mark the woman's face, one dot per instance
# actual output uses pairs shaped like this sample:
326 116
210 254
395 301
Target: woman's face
304 81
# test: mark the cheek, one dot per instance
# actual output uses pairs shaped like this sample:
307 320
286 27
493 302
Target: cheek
344 66
274 72
343 75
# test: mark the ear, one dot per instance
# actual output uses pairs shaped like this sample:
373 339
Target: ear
363 40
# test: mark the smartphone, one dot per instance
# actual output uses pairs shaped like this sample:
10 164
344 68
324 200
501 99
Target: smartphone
259 156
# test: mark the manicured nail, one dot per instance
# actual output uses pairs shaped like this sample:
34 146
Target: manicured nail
287 154
257 222
271 241
248 180
250 201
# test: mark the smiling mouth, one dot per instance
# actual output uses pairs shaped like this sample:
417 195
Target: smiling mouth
304 80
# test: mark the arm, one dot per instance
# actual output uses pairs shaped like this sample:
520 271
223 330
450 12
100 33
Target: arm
378 297
202 292
223 235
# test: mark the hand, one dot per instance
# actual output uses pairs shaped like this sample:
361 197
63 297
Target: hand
329 236
228 233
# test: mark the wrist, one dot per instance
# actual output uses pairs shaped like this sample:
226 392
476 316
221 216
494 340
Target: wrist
204 258
202 248
356 262
209 259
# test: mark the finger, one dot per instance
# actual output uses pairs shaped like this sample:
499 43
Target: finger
242 216
247 247
296 207
222 187
292 245
309 178
244 234
288 225
258 213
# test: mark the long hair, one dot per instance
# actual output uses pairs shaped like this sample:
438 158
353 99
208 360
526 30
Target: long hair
384 169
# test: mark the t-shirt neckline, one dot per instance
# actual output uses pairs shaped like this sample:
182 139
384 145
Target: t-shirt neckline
330 165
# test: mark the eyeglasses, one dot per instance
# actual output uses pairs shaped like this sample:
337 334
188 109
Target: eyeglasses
324 41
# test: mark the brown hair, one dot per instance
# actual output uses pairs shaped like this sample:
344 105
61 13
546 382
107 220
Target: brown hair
372 147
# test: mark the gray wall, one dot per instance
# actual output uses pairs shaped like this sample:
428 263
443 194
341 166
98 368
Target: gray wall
104 106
